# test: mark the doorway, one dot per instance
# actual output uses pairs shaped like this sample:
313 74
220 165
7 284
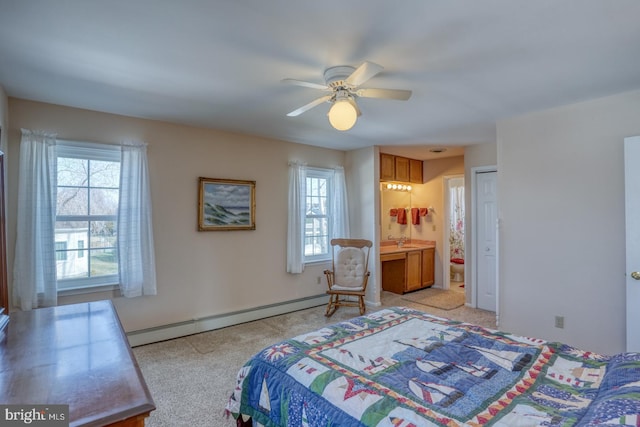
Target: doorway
453 265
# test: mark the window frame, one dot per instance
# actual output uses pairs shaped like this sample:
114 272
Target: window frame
328 175
97 152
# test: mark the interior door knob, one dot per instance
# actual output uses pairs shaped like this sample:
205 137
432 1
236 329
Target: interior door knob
635 275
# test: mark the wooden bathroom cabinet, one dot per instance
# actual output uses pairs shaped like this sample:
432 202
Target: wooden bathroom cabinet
408 271
397 168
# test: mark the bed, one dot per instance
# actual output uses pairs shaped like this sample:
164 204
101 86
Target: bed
402 367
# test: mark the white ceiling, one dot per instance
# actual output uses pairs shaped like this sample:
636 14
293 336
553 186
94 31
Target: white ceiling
219 63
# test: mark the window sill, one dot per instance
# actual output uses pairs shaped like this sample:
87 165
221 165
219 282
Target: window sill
88 290
319 262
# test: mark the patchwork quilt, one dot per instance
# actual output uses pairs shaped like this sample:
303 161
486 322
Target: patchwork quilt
400 367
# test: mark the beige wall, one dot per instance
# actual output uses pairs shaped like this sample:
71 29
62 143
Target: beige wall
561 207
199 273
362 176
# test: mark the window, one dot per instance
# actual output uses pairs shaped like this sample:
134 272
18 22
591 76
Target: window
318 222
86 214
318 212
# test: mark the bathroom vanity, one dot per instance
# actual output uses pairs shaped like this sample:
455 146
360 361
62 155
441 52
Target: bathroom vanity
408 267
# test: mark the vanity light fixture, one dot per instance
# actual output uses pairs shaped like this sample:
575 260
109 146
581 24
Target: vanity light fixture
398 187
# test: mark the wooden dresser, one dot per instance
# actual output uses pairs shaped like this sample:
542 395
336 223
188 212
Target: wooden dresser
77 355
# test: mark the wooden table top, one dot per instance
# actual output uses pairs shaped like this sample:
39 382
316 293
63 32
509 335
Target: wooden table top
73 354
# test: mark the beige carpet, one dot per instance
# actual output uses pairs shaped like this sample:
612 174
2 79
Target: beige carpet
191 378
438 298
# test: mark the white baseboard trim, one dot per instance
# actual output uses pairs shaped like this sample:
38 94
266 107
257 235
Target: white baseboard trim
190 327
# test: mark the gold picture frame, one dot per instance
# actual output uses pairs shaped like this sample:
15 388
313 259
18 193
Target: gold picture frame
226 204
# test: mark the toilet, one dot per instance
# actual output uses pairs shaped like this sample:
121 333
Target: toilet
457 269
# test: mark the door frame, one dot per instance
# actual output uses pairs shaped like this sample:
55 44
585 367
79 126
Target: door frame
473 279
632 247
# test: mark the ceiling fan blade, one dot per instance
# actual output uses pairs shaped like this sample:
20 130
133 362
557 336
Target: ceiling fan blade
305 84
309 106
363 73
399 94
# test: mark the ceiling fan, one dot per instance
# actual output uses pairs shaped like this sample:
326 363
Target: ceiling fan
343 84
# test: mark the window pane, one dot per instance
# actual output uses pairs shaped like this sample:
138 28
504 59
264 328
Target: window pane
73 267
105 174
322 187
69 263
103 201
70 233
104 262
103 234
72 172
322 206
72 201
316 236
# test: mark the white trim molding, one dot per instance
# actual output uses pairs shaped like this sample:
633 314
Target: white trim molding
190 327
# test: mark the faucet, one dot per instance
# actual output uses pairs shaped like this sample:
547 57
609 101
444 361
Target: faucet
400 240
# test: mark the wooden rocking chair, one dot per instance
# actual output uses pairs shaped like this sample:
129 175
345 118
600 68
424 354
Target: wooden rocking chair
349 274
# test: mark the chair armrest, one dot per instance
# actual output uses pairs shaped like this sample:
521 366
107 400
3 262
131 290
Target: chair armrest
329 275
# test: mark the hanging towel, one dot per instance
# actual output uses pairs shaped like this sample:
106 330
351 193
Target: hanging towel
402 216
424 211
415 216
393 212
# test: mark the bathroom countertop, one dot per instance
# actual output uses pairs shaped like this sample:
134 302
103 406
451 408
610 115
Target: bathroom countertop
407 247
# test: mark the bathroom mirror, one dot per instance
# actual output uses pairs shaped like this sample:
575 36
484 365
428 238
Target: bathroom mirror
389 226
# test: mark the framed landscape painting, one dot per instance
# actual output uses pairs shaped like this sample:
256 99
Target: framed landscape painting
226 204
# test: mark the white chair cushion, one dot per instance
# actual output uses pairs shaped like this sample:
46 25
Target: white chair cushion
346 288
349 270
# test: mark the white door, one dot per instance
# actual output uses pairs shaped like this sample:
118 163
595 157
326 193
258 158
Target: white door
632 224
486 223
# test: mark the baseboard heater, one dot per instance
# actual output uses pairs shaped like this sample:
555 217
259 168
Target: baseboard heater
209 323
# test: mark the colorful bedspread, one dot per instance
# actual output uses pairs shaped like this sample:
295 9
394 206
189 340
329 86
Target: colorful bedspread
401 367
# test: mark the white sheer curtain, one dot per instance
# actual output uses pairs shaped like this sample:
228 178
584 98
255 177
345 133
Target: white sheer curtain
296 217
34 270
340 214
456 215
135 232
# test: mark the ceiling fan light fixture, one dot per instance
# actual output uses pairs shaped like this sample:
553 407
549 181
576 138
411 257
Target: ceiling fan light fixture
343 113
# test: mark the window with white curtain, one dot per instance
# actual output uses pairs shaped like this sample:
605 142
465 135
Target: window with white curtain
87 191
84 219
318 209
318 212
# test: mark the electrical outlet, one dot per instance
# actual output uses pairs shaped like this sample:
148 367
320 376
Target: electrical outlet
319 280
434 227
560 322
